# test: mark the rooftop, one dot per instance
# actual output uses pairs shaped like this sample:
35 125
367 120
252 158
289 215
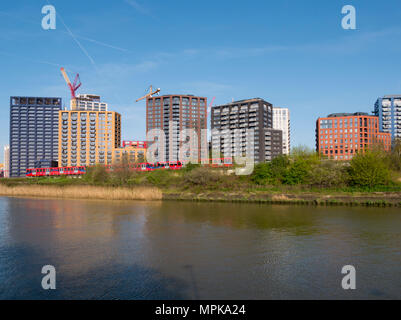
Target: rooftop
178 95
242 101
88 97
338 115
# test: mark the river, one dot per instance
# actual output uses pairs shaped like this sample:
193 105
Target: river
188 250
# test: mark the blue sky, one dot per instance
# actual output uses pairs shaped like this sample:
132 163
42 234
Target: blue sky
291 53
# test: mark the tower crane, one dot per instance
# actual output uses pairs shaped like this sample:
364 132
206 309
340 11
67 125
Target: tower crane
73 86
150 94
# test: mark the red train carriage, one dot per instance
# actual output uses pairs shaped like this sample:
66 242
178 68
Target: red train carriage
172 165
62 171
146 166
141 167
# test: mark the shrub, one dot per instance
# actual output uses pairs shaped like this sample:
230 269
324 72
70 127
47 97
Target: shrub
202 176
121 173
279 167
262 173
271 172
301 163
297 173
96 174
369 169
328 174
159 177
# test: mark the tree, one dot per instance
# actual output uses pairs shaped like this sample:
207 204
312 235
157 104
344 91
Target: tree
121 170
301 161
369 169
329 173
96 174
395 155
262 173
279 167
298 172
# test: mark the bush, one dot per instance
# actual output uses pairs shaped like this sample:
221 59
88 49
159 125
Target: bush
329 174
121 173
262 173
297 173
159 177
369 169
202 176
301 163
96 174
279 168
271 172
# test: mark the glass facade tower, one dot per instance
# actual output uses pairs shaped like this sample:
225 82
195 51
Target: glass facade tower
388 109
33 132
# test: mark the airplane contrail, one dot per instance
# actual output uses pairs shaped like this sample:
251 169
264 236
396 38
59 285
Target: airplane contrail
101 43
31 60
34 22
77 41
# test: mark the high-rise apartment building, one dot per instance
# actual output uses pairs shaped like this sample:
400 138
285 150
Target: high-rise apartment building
6 167
88 137
33 132
174 113
88 102
388 109
281 121
229 130
340 136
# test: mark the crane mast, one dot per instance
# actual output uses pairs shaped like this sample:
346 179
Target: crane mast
150 94
73 86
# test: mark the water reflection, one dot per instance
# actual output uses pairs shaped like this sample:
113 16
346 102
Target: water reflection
156 250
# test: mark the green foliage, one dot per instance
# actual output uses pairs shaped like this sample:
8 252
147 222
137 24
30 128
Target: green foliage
261 173
303 170
300 165
279 167
303 152
271 172
395 156
189 167
291 170
369 169
297 173
160 178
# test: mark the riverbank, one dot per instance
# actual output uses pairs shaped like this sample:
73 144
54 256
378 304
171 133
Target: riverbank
381 199
285 180
153 193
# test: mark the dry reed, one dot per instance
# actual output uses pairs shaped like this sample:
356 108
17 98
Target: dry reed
280 197
83 192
